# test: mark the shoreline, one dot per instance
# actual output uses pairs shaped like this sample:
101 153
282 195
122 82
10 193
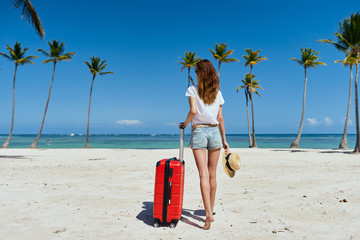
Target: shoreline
108 193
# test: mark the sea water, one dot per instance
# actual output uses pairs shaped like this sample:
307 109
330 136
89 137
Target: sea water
170 141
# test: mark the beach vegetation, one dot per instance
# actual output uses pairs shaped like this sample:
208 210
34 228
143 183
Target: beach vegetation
249 84
308 60
348 61
16 55
29 13
56 54
348 39
252 58
222 55
96 66
189 61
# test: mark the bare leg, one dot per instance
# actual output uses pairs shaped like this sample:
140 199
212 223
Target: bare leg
201 163
213 158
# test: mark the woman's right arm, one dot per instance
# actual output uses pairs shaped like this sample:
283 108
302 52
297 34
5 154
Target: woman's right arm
192 111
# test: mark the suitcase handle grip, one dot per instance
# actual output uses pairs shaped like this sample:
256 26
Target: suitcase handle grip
170 193
181 150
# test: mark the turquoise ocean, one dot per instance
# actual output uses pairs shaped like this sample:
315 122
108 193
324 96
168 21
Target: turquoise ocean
169 141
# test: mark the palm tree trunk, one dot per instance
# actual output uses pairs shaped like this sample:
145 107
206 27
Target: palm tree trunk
34 144
343 143
254 145
219 70
295 143
189 78
248 120
87 132
6 144
357 147
253 122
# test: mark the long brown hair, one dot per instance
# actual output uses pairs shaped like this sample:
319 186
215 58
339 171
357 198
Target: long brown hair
208 81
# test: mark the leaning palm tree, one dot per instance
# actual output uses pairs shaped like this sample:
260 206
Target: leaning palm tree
251 59
249 85
348 38
30 15
308 60
16 55
55 55
95 67
221 54
348 61
189 62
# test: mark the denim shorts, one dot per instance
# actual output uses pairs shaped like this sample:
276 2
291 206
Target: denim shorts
205 138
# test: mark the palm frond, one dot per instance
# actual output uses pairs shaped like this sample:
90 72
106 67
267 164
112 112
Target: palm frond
103 73
30 15
6 56
44 52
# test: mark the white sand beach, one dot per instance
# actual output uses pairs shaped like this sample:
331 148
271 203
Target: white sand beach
108 194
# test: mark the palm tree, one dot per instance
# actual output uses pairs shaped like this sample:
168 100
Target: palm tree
250 85
308 59
348 61
189 62
30 15
348 38
55 55
16 55
251 59
95 67
221 54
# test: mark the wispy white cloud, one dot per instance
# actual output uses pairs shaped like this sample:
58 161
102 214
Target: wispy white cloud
343 121
129 122
312 121
327 121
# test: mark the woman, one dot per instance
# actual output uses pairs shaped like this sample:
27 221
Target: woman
208 131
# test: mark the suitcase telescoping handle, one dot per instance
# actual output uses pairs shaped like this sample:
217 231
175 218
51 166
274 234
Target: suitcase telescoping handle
181 150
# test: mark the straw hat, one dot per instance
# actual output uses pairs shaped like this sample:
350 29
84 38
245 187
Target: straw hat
231 163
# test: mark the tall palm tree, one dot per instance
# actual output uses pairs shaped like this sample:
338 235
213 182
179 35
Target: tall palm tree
251 59
95 67
16 55
189 62
55 55
221 54
249 85
348 38
348 61
30 15
308 60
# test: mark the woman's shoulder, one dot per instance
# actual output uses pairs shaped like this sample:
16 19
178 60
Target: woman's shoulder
191 90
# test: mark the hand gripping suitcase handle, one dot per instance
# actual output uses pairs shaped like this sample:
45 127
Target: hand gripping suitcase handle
181 150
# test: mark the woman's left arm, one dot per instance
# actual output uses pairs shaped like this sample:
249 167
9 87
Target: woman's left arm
220 119
192 112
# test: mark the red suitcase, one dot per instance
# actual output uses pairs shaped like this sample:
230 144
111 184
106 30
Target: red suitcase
169 188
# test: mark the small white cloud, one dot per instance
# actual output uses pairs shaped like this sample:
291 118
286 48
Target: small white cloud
312 121
129 122
343 121
327 121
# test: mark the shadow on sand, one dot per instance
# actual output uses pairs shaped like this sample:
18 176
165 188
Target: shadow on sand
188 215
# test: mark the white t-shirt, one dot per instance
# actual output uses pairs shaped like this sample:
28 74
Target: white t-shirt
206 114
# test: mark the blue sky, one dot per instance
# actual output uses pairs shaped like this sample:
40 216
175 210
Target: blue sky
142 40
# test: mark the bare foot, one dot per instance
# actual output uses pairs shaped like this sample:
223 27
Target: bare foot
212 219
207 224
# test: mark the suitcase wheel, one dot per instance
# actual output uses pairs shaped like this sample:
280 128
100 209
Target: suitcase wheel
156 223
173 223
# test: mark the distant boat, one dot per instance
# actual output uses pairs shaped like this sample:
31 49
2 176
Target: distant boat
72 134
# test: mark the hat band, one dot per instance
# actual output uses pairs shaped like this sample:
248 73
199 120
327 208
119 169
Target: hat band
227 162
